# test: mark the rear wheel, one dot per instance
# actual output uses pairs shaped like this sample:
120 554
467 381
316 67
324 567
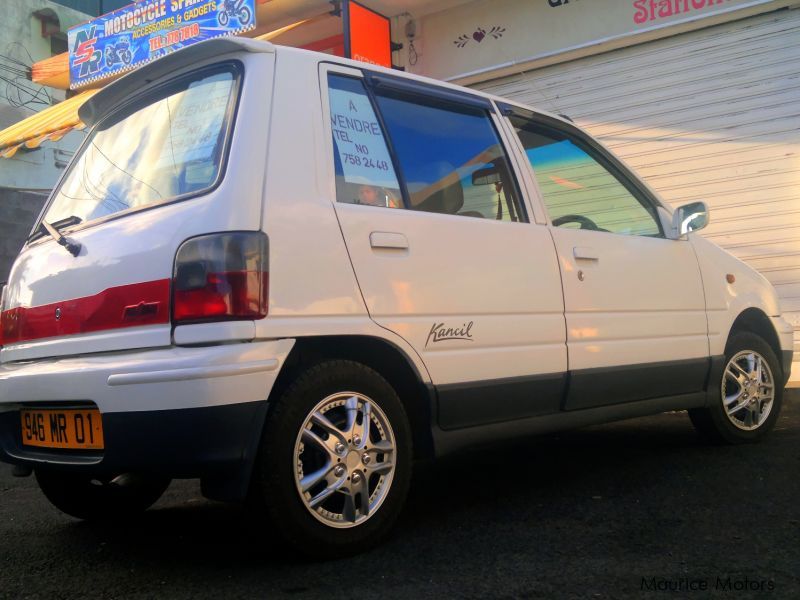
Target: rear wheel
91 498
335 461
749 396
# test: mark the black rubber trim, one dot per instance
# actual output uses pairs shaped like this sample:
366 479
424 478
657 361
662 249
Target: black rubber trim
592 388
714 382
381 82
450 441
786 362
498 400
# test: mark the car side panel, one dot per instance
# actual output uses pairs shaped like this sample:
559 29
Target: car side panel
725 300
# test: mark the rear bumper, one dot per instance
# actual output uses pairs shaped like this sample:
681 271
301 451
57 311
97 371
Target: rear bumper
181 412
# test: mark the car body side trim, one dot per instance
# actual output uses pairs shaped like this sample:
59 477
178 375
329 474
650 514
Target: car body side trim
447 442
590 388
483 402
209 372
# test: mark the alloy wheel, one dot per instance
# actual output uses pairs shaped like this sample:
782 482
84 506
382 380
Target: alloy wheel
345 459
748 390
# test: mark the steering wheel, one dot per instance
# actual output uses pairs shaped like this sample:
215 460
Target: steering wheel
585 222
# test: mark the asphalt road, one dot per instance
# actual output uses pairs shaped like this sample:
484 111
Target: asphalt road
618 511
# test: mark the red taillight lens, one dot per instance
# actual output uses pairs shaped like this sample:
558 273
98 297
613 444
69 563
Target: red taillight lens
4 324
221 276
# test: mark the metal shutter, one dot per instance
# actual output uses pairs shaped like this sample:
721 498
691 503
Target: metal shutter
713 115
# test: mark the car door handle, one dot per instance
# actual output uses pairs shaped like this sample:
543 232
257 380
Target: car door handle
385 239
585 253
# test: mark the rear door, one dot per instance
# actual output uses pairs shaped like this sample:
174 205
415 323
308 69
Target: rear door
635 308
442 246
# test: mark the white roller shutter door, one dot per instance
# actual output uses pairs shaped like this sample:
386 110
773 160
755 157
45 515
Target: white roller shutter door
709 115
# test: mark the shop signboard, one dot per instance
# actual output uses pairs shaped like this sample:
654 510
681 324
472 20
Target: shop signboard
506 36
127 38
368 35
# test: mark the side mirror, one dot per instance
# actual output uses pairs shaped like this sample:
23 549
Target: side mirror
689 217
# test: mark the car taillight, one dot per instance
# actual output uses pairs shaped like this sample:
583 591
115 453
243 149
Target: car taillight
3 326
222 276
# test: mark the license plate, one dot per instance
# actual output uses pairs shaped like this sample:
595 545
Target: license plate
69 429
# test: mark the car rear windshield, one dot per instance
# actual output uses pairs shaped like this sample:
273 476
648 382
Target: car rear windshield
164 147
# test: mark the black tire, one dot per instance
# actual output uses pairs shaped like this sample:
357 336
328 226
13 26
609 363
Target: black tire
712 422
275 485
223 18
88 498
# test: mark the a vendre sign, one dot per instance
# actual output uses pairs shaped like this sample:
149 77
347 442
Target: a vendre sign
134 35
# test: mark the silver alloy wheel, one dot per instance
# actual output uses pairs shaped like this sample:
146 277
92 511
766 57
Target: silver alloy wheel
344 456
748 390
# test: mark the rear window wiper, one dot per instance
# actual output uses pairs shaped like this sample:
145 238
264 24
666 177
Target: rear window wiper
65 222
52 229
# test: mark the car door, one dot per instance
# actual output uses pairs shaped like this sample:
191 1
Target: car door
634 303
441 244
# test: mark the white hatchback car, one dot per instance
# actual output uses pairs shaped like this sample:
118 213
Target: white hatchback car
289 275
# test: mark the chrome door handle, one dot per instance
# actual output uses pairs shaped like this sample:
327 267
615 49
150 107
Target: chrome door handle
585 253
386 239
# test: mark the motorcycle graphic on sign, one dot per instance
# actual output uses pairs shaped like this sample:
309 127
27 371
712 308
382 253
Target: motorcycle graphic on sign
119 52
234 9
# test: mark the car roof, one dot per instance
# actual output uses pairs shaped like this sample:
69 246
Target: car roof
318 57
116 92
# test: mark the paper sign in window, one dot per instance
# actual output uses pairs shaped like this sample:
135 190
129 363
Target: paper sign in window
359 140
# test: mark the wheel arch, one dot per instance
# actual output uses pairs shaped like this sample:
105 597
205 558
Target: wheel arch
390 361
754 320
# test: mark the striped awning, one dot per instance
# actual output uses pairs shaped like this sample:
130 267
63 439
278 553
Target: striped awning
49 124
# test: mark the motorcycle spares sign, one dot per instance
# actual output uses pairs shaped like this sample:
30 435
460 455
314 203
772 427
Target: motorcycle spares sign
127 38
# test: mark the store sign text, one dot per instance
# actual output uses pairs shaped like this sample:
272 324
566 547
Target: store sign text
652 10
139 33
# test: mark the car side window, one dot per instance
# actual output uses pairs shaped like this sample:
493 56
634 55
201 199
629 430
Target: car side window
578 190
451 158
363 165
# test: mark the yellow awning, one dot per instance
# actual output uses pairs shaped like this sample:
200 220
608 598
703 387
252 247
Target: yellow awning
49 124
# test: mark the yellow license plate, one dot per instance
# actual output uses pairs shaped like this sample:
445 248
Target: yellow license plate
69 429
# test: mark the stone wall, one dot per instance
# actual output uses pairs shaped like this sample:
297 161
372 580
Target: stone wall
18 211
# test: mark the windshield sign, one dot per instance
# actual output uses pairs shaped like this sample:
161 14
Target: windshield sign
126 38
169 147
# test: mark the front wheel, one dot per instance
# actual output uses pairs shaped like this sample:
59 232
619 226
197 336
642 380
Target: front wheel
244 16
223 18
89 498
335 460
749 396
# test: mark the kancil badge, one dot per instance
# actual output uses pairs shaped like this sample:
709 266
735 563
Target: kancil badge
134 35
